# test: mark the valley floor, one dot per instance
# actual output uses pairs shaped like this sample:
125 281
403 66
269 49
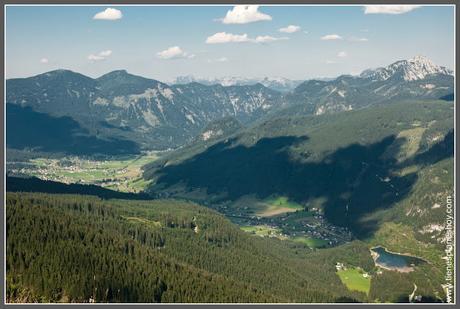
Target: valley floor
121 173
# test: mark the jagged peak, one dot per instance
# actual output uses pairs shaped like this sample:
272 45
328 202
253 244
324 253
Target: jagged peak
420 58
415 68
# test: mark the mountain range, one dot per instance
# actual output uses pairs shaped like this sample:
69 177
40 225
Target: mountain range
132 108
119 108
262 189
416 78
280 84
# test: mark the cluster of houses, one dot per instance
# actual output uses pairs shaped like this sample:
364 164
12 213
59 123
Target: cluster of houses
315 227
52 171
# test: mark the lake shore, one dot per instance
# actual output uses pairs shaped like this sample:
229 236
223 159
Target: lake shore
406 269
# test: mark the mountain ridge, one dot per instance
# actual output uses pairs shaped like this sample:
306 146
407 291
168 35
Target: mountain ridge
415 68
417 77
281 84
158 116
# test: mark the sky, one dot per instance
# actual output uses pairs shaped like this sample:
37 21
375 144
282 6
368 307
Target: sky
163 42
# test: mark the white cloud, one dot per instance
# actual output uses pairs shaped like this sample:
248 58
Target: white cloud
355 39
105 53
290 29
174 52
342 54
267 39
44 60
243 14
109 14
331 62
389 9
221 59
95 57
331 37
223 37
100 56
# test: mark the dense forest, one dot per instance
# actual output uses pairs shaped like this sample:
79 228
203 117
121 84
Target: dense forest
73 248
82 249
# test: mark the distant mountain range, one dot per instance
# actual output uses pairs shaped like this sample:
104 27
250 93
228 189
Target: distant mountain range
127 113
417 78
280 84
128 107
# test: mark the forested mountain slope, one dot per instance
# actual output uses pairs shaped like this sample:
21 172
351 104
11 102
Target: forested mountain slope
79 249
358 163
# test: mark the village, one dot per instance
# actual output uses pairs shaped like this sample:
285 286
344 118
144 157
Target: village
118 174
305 226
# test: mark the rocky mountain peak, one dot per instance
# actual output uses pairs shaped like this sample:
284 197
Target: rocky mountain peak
416 68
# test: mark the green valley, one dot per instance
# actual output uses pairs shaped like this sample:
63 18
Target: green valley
126 189
122 173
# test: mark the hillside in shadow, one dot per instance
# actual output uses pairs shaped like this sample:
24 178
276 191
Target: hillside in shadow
34 184
26 128
355 181
438 152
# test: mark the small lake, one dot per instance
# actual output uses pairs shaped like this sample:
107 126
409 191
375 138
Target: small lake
394 261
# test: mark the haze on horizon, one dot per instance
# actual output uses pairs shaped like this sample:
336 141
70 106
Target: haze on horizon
163 42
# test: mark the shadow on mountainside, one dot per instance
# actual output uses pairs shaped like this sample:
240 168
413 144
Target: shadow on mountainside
26 128
438 152
355 180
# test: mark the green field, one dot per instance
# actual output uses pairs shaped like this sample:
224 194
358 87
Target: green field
263 231
354 280
283 201
277 205
310 241
270 231
122 174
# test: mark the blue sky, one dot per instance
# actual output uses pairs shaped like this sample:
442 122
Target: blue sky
163 42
